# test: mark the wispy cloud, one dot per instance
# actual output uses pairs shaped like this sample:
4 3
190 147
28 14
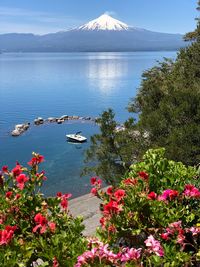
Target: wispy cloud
24 20
110 13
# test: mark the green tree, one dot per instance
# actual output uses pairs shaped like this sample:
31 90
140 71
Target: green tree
169 104
112 151
195 35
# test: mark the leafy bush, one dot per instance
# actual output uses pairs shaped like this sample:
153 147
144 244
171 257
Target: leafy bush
34 229
153 215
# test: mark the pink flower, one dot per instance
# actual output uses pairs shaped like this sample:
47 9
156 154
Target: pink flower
168 194
152 196
176 225
154 246
119 194
191 191
52 226
195 230
131 254
21 180
67 195
180 239
93 191
99 182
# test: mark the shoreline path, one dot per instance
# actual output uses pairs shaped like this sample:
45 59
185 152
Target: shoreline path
87 206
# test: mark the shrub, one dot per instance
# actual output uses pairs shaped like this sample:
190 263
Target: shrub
34 228
154 211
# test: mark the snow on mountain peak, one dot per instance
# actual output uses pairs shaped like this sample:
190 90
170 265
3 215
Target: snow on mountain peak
104 22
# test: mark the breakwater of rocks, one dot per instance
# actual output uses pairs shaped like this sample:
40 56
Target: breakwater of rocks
21 128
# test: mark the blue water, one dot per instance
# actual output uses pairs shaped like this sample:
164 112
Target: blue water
54 84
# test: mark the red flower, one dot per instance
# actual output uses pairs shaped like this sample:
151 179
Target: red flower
64 200
55 262
36 160
7 234
152 196
17 196
99 182
112 208
130 181
93 180
64 203
17 170
41 222
143 175
109 191
9 194
119 194
112 229
41 175
5 169
102 221
21 180
59 194
40 219
52 226
93 191
165 236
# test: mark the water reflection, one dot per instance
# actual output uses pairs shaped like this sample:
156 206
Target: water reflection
105 74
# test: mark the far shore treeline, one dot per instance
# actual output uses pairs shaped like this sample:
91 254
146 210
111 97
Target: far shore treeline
168 106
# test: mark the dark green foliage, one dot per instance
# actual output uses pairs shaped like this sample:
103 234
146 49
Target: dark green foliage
112 151
169 105
195 35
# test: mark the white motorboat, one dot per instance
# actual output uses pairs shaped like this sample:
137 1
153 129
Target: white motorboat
77 137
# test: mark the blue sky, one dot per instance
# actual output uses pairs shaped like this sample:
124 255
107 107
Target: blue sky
44 16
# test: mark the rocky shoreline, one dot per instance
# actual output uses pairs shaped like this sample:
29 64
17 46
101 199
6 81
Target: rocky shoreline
21 128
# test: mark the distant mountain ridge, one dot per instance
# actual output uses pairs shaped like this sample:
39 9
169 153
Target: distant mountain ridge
104 34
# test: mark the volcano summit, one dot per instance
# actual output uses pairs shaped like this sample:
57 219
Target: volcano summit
104 34
104 23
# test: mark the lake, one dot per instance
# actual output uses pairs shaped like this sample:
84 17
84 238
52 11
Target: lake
54 84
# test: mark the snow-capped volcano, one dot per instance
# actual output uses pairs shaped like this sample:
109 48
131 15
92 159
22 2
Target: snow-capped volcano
104 23
104 34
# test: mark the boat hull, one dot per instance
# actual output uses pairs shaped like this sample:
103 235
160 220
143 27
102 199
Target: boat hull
76 138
